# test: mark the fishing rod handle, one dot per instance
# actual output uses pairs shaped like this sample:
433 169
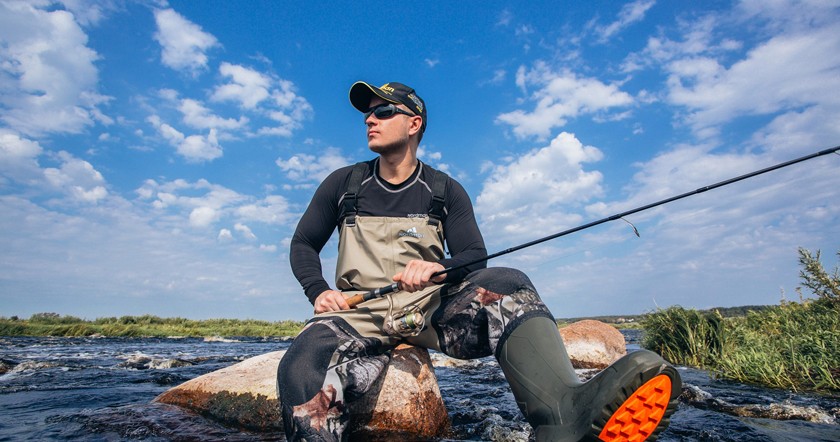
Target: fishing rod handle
355 300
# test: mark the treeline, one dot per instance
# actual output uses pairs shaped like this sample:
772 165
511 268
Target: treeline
635 321
53 324
795 345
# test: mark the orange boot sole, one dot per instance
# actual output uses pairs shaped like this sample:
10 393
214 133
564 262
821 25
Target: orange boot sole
640 415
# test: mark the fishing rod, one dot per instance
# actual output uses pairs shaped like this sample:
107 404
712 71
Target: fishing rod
353 301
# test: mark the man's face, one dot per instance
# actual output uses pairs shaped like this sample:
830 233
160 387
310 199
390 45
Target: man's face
388 133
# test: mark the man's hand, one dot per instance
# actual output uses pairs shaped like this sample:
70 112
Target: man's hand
330 301
417 275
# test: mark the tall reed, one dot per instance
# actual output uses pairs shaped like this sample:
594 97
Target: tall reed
795 345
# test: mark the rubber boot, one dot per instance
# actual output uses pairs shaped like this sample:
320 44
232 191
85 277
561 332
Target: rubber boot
632 399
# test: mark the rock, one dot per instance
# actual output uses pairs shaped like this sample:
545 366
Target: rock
696 397
7 365
143 362
593 344
408 405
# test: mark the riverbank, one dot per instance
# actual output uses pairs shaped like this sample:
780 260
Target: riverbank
53 324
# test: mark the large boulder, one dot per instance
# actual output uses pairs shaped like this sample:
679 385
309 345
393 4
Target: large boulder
593 344
408 405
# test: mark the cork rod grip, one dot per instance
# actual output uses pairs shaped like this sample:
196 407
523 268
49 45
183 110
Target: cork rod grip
355 300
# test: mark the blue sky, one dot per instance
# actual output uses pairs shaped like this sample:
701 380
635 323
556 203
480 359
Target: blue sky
155 157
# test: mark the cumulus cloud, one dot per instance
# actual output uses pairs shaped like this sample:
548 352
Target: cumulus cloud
77 178
310 168
266 95
558 97
74 177
246 86
245 231
47 72
203 204
787 71
183 43
18 158
272 210
289 110
194 148
198 116
539 189
719 79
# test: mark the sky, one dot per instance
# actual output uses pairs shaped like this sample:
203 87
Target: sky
155 157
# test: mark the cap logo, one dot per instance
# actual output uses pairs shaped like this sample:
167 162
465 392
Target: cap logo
387 89
416 101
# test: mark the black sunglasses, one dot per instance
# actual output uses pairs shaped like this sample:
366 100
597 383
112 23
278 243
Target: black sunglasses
386 111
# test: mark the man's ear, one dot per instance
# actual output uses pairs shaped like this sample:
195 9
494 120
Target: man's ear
416 125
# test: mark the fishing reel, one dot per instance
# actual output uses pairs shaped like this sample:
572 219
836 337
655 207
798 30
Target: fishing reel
407 322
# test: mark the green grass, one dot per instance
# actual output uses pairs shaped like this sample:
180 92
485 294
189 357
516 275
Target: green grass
795 345
53 324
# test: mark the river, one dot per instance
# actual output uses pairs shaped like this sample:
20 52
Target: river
100 389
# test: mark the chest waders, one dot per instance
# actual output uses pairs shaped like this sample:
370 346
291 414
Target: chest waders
372 249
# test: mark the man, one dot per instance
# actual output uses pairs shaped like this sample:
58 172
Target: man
396 216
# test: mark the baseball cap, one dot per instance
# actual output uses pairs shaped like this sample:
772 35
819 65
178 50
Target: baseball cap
398 93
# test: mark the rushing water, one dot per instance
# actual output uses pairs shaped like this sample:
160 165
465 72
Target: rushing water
65 389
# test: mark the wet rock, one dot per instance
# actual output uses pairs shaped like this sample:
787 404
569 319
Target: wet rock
136 362
593 344
442 360
219 339
408 405
143 362
31 366
7 365
159 364
696 397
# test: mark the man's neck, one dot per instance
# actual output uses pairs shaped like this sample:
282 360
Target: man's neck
397 168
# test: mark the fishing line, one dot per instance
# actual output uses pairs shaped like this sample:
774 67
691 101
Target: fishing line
377 293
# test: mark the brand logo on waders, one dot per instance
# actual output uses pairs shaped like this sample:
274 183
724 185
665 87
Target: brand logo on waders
410 232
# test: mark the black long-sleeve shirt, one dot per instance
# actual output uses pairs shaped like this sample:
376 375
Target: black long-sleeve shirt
377 197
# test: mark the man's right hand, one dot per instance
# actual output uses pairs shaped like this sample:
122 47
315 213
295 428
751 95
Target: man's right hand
330 301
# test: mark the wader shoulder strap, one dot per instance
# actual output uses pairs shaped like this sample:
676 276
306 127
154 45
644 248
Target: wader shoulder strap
438 196
348 207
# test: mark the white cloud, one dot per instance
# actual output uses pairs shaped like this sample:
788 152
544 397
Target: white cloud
717 80
47 71
78 178
203 204
183 43
247 86
203 216
73 177
18 158
289 109
273 210
225 235
629 14
539 190
559 96
305 167
200 117
265 95
194 148
244 231
785 72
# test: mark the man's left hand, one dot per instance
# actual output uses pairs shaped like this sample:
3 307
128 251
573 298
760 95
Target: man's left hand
417 275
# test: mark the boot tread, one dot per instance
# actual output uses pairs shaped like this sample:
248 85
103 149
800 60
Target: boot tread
641 413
